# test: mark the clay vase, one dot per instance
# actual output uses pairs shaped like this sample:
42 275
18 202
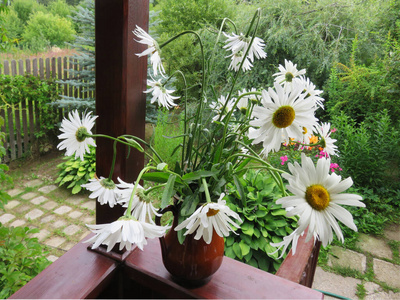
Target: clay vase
193 262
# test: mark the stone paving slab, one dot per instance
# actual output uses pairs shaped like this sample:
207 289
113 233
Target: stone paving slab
89 205
39 200
393 232
14 192
336 284
33 183
377 247
387 272
11 204
47 188
17 223
62 210
71 229
41 235
50 205
6 218
347 259
33 214
29 196
54 241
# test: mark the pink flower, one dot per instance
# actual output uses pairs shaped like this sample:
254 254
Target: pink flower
335 166
322 154
283 159
333 130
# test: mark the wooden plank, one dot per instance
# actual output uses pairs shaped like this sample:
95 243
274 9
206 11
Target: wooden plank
76 76
41 68
21 67
28 66
78 274
31 121
18 130
11 132
13 67
53 67
70 76
234 280
60 86
35 70
24 113
48 68
6 158
65 75
6 65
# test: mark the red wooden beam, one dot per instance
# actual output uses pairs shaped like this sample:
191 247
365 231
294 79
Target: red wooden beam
120 82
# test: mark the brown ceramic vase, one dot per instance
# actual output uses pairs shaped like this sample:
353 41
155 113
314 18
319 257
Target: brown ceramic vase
193 262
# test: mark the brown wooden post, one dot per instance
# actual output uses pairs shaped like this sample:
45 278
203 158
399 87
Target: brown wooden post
120 82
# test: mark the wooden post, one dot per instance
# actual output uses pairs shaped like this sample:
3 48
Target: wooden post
120 82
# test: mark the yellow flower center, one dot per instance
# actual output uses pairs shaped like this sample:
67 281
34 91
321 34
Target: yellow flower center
304 130
318 197
283 117
212 212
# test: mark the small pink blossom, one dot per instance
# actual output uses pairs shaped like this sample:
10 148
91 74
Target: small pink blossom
335 166
333 130
322 154
283 159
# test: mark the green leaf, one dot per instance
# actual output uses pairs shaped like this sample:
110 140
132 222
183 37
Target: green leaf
244 248
279 212
162 167
240 190
168 191
237 250
76 189
197 175
134 144
189 204
229 252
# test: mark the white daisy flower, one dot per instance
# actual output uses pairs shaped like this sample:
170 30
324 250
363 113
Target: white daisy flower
219 105
103 189
142 209
311 92
243 103
327 142
125 231
209 217
161 94
75 132
153 49
283 115
236 60
317 199
240 43
288 73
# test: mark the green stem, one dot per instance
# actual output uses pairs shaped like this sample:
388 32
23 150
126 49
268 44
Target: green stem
208 198
113 160
149 190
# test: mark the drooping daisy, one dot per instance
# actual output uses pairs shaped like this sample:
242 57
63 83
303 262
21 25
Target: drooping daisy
240 43
126 231
218 106
75 134
236 60
317 196
142 209
209 217
103 189
161 94
153 49
324 130
281 116
243 103
288 73
311 92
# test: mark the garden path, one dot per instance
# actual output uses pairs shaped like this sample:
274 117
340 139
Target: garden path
372 271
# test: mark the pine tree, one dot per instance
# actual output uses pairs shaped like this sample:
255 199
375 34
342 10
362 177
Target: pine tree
85 57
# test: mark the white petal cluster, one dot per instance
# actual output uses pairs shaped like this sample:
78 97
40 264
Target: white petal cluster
210 217
153 49
288 74
322 221
140 210
218 106
324 130
71 129
311 92
282 115
161 94
103 189
238 45
125 231
243 103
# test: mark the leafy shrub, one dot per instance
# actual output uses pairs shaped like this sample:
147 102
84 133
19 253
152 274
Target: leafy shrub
170 126
17 89
56 30
77 172
21 258
12 24
25 8
264 222
365 154
4 196
60 8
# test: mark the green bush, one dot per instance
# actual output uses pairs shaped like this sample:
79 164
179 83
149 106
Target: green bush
60 8
13 24
56 30
76 172
4 196
17 89
25 9
264 222
170 126
21 258
369 151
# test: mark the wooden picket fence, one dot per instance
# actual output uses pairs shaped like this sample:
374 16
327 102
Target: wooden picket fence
23 120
